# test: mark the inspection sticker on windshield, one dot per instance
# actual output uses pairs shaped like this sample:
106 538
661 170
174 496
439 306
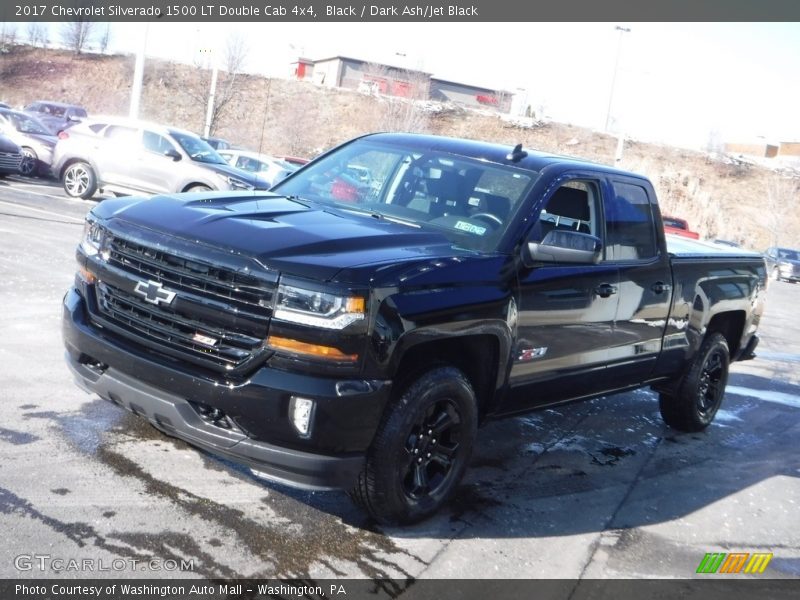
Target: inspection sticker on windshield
464 226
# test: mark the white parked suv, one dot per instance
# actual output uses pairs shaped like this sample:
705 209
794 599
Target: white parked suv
123 156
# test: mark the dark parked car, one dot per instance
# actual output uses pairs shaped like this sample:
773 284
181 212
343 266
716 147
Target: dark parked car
124 156
783 264
57 116
35 139
338 333
217 143
10 156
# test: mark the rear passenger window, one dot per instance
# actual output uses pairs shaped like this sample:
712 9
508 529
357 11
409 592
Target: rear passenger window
630 229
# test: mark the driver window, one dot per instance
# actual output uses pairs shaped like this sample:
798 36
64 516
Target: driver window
572 207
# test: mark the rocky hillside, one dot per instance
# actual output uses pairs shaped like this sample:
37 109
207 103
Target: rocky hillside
719 196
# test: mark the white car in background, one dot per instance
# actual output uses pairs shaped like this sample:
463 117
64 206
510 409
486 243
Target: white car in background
266 167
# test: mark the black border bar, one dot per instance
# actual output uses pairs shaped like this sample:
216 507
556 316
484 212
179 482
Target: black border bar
706 588
270 11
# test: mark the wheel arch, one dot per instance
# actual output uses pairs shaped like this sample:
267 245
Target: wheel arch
480 356
68 163
731 325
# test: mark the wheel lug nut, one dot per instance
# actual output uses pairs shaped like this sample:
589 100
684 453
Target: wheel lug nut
429 454
416 450
430 431
433 441
419 460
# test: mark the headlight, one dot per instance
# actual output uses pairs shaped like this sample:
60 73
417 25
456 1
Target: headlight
93 238
238 184
318 309
785 267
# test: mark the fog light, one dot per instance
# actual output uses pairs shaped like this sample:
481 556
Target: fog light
300 411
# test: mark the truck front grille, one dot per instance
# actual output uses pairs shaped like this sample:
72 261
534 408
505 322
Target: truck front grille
218 318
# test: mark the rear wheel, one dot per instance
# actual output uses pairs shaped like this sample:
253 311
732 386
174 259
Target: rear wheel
30 162
198 188
80 180
421 449
698 395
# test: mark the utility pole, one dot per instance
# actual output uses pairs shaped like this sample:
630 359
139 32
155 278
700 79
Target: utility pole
210 110
622 30
138 75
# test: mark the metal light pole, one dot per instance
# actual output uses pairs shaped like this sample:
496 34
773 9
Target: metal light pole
621 30
138 75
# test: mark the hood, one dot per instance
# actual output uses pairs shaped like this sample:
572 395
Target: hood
228 171
6 145
45 140
290 236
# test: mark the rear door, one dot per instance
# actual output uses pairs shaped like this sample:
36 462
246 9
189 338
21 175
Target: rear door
117 154
155 171
635 244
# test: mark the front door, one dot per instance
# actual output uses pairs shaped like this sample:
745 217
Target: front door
566 312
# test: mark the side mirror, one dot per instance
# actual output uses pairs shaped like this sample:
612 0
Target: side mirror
173 154
74 118
563 246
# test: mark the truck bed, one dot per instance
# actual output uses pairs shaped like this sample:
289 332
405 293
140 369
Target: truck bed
682 247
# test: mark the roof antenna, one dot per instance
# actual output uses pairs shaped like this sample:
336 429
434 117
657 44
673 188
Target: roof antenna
517 154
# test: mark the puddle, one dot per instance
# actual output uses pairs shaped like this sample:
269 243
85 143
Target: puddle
18 438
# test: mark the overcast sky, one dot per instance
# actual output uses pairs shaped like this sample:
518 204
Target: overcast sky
676 82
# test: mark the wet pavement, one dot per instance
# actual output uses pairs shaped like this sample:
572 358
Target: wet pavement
595 489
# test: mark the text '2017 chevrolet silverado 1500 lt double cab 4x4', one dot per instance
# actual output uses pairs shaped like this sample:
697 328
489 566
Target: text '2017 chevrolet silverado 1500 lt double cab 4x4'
343 333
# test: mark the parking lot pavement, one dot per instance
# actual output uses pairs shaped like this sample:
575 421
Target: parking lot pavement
596 489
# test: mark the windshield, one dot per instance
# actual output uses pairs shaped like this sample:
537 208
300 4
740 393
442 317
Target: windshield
197 149
469 201
27 124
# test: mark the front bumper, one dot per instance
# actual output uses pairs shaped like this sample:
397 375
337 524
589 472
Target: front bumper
346 416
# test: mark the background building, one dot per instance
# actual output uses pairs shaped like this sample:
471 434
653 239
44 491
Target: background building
378 78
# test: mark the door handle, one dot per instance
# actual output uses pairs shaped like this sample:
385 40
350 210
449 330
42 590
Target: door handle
604 290
659 287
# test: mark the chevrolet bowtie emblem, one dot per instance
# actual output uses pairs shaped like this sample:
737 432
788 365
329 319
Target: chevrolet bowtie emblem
153 292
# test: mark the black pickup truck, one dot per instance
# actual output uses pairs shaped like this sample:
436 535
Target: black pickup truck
353 327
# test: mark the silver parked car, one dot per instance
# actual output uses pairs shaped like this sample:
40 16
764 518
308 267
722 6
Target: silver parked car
268 167
30 134
124 156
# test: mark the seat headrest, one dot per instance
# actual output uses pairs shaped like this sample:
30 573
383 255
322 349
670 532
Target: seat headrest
571 203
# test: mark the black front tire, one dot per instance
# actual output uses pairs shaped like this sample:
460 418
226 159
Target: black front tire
697 396
421 450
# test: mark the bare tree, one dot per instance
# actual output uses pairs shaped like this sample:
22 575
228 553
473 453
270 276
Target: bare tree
408 113
778 214
236 53
37 34
8 35
77 34
232 61
105 38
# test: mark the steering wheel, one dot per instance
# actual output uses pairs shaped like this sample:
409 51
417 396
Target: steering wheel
488 217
